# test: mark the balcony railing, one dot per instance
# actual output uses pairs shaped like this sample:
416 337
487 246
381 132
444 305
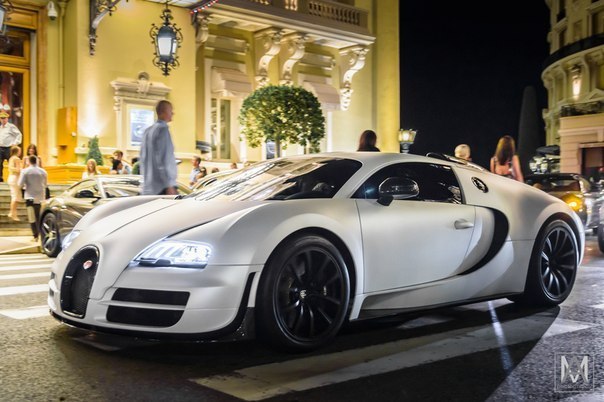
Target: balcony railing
325 9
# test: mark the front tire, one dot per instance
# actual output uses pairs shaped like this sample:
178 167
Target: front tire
601 237
553 266
49 235
303 295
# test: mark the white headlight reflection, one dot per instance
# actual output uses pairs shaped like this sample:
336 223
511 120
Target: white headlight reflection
69 239
174 253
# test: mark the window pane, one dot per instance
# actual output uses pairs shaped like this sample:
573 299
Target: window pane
12 45
11 96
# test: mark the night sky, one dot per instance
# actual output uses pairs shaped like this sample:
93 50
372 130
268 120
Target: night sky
464 67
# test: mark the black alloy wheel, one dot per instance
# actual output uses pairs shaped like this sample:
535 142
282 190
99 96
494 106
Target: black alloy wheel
49 235
553 266
303 295
601 237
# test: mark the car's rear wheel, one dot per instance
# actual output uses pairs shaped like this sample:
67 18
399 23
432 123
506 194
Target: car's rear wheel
49 231
553 266
601 237
303 295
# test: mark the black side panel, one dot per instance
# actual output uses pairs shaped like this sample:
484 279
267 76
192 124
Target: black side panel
502 228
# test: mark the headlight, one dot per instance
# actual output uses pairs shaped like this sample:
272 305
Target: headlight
69 238
173 253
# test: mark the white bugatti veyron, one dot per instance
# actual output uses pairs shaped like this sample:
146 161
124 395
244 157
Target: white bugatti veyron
290 249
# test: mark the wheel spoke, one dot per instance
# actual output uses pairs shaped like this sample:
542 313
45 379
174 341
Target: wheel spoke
557 283
567 254
545 256
548 243
291 306
545 273
567 267
311 321
329 299
551 282
323 314
564 281
294 271
334 278
300 318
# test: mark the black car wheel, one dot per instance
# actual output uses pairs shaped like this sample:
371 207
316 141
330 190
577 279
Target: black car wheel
49 234
303 295
553 266
601 237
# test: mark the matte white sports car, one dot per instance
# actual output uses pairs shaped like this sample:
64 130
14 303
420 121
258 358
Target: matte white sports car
291 249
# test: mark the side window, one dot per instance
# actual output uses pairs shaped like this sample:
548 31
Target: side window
86 185
437 183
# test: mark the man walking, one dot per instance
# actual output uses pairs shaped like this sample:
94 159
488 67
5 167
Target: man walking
34 179
9 136
157 162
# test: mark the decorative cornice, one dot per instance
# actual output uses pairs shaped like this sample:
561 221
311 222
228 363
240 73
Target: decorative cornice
352 61
201 22
268 45
140 88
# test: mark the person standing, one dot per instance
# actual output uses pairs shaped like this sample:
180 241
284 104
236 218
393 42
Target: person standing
158 165
505 162
91 169
126 168
9 136
32 149
14 170
34 179
367 142
196 161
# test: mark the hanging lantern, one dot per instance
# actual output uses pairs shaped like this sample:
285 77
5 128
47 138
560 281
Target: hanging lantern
167 39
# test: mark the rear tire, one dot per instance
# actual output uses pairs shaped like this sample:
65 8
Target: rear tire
303 295
553 266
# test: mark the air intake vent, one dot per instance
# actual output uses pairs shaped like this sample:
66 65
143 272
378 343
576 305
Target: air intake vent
77 281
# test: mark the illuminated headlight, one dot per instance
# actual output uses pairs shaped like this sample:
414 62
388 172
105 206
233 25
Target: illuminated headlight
70 238
172 253
574 202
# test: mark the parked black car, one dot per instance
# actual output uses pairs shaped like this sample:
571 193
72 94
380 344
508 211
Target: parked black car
583 196
60 214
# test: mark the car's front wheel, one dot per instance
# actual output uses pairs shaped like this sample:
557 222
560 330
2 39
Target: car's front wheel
601 237
303 295
49 234
553 266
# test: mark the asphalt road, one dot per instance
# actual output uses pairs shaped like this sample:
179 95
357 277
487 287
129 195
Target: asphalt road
485 351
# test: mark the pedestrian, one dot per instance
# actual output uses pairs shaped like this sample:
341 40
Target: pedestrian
32 149
505 162
14 170
367 142
462 151
195 161
136 166
158 164
34 179
91 169
215 170
126 168
9 136
234 165
117 167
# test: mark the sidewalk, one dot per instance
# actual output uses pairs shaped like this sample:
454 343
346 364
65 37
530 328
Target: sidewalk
18 245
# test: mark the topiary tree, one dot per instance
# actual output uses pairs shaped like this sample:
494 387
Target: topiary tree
283 114
94 152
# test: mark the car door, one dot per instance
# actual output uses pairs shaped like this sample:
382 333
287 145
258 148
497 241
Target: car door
417 240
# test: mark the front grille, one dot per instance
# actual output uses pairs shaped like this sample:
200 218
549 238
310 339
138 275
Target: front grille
143 316
77 281
151 296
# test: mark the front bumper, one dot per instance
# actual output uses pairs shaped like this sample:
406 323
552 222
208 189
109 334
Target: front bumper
164 303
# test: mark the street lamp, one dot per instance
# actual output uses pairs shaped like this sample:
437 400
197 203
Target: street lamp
167 39
406 139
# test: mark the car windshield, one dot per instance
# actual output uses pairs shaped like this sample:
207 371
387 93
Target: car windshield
283 179
117 188
551 184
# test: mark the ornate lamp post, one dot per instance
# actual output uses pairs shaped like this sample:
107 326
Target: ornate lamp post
406 139
167 39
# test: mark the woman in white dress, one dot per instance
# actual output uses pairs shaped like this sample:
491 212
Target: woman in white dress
14 170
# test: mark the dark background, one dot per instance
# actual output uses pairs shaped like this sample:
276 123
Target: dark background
464 67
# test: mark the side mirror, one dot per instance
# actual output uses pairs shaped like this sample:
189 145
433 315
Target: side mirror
85 194
397 188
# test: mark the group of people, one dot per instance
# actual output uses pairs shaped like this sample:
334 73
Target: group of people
505 162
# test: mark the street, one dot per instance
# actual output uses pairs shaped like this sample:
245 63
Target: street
485 351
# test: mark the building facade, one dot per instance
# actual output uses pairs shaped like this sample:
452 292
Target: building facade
574 77
75 69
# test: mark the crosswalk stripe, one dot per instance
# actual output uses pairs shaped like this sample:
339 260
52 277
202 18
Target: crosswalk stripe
25 276
17 290
25 267
24 257
25 313
266 381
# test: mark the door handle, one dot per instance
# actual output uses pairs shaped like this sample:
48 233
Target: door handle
463 224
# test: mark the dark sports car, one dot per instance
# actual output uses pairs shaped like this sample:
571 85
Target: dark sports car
60 214
584 197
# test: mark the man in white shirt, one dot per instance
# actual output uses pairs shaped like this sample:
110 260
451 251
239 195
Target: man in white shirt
34 179
157 161
9 136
